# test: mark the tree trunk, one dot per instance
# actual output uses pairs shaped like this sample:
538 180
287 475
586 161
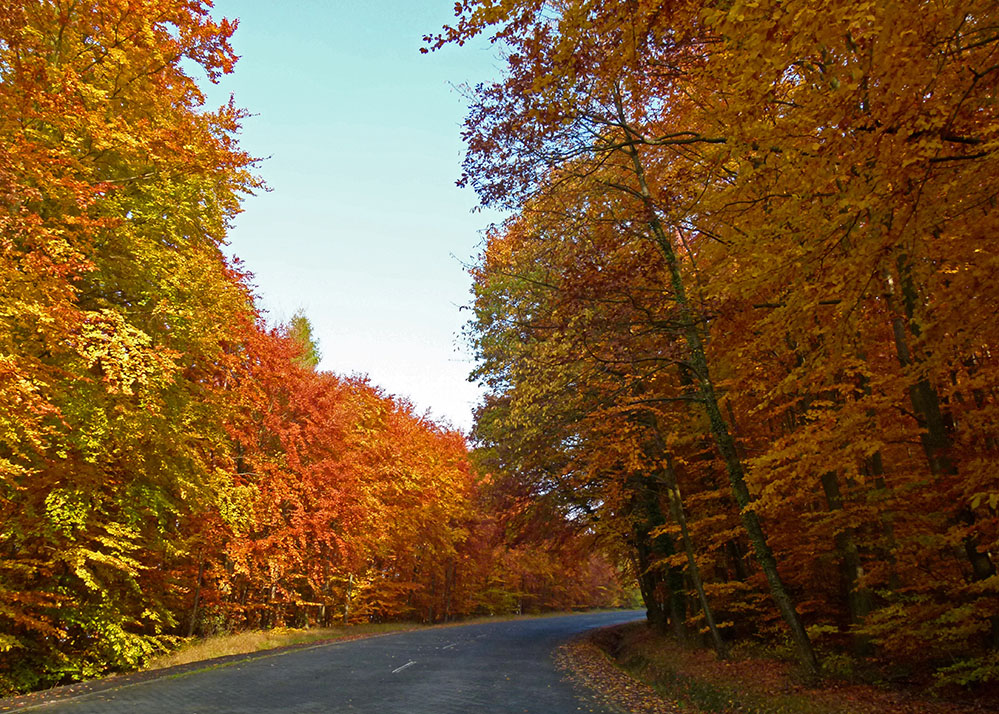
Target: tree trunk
734 552
676 506
647 584
672 609
934 434
346 598
669 479
719 429
197 599
449 575
858 599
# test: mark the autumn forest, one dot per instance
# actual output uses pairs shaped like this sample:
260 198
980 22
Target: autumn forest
169 464
743 316
737 339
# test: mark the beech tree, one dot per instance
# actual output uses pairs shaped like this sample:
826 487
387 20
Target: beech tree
814 192
118 187
169 464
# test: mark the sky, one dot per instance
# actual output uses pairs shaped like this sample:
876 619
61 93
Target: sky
363 227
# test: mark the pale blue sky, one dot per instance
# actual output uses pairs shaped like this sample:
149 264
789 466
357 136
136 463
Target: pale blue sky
364 228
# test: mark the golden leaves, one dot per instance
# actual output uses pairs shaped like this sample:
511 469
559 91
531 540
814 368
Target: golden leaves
123 355
830 210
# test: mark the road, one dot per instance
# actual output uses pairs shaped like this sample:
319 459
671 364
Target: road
495 668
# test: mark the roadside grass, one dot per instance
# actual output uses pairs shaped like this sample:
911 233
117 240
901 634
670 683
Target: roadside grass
198 649
753 684
250 641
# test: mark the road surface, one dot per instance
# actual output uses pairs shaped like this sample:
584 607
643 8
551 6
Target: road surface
494 668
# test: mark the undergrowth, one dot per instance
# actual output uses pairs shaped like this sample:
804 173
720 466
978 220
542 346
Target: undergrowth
751 683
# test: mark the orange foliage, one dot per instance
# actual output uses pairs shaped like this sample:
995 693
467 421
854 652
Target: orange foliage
168 465
748 293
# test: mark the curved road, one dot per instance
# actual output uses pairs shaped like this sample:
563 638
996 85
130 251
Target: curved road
497 667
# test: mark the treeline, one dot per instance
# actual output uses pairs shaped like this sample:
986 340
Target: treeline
742 319
168 464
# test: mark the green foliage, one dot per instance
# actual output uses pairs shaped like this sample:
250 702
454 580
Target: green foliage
971 671
299 331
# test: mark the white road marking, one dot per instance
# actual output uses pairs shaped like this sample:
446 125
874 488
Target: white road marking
449 646
410 663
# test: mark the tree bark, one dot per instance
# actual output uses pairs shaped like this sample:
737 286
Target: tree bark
719 429
197 599
346 598
934 434
652 549
676 506
858 599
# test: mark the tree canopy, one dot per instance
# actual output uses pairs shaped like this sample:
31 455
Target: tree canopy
742 314
169 464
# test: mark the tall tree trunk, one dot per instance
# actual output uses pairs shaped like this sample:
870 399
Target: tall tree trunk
669 479
734 552
719 429
348 594
934 434
197 598
858 599
676 507
651 550
648 583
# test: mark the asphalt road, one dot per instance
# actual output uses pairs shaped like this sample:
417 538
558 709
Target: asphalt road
494 668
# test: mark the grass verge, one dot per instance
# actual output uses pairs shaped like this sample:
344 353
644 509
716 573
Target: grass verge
201 649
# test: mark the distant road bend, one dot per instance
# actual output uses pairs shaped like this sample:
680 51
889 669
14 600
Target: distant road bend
494 668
